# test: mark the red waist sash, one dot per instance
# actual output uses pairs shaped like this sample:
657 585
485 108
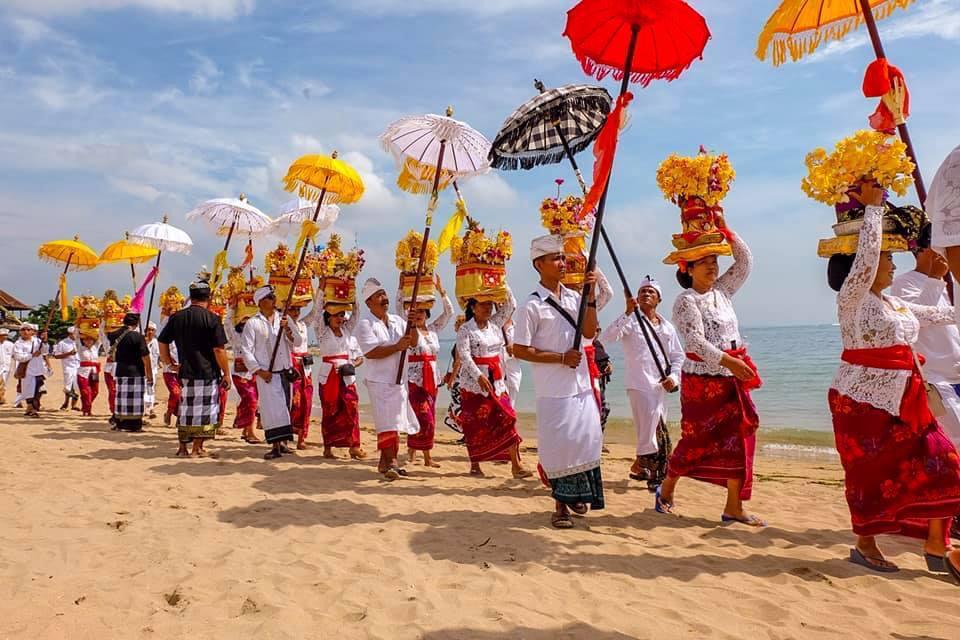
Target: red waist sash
914 409
591 353
94 365
331 388
429 377
493 362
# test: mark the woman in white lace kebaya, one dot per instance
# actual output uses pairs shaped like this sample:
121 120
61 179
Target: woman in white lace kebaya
487 417
339 355
423 375
902 473
718 418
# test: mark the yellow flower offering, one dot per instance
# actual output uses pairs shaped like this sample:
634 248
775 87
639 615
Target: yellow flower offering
866 155
703 176
408 254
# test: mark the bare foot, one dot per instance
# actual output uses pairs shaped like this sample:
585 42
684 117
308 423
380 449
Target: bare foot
358 454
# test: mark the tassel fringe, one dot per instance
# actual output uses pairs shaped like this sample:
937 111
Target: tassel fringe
779 43
601 71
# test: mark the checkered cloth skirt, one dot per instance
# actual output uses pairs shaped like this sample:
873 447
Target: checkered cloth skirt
129 398
199 409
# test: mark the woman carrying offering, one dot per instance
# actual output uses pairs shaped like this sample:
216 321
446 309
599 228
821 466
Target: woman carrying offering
718 418
902 473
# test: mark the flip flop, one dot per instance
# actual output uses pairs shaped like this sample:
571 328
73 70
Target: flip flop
857 557
272 455
951 569
402 472
661 505
523 473
392 474
935 564
751 520
638 477
561 521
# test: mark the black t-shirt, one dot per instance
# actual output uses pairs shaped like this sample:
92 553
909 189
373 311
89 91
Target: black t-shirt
131 350
196 332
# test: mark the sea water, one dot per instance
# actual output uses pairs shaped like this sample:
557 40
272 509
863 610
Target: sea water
797 365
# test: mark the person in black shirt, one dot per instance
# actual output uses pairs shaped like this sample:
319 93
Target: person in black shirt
204 370
133 373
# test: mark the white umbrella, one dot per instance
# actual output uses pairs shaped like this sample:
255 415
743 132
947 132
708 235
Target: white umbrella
163 237
229 215
440 144
292 214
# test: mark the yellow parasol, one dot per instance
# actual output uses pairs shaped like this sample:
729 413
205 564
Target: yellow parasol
74 256
126 251
799 27
328 180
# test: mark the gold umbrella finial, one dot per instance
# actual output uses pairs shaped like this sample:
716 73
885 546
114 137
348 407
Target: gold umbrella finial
243 197
165 218
449 111
76 238
126 235
334 154
539 86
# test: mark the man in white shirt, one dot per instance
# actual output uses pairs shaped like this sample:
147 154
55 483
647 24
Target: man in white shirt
6 360
644 380
569 435
940 346
382 339
272 373
30 349
150 392
66 352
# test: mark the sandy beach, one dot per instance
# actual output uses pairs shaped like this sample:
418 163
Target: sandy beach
107 535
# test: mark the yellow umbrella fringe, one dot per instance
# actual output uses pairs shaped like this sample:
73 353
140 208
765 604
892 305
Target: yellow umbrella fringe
778 41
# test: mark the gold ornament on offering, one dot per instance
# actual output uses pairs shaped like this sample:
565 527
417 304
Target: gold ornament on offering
89 316
407 260
564 218
338 273
114 309
481 264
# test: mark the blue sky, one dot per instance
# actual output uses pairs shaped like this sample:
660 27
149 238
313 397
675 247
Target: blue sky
117 111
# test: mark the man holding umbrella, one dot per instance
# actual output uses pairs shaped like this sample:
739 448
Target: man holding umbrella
568 419
203 368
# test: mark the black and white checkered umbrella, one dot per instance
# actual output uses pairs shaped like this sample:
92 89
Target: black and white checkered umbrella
541 129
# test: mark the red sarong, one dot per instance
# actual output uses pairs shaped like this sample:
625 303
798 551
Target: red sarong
489 426
111 383
718 426
900 471
88 390
341 419
425 406
301 404
249 398
172 382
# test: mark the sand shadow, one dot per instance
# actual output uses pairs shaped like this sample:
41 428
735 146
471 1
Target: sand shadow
575 631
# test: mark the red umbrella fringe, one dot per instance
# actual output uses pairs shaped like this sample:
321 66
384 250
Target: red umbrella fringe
643 78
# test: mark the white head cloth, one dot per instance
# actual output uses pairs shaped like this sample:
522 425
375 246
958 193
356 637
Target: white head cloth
30 325
4 332
370 287
653 284
71 330
545 246
262 293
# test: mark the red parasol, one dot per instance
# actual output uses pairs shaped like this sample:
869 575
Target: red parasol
639 41
669 34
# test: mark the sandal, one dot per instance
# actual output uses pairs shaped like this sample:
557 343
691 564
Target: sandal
579 509
749 520
561 521
879 565
522 473
661 505
252 441
272 455
392 474
952 569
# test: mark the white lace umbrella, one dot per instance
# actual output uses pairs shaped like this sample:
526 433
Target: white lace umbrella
291 216
446 147
163 237
231 215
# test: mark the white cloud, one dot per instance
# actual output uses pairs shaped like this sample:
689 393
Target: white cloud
221 9
30 30
206 76
474 7
247 71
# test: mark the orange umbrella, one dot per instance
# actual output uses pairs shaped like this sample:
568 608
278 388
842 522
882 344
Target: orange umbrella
799 27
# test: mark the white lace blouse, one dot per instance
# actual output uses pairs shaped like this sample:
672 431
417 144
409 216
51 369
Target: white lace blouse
707 322
868 321
428 342
474 342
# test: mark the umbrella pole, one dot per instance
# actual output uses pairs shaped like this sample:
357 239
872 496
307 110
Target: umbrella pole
423 250
602 205
901 128
233 225
133 276
663 369
293 283
153 288
56 298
